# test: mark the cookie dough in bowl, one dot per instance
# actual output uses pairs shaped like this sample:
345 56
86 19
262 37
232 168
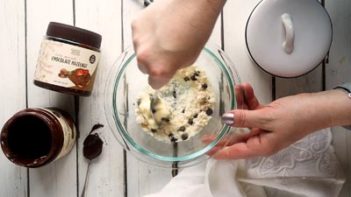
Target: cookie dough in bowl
180 109
169 125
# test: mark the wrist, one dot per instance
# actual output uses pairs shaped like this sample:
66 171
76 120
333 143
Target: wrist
334 106
311 112
193 20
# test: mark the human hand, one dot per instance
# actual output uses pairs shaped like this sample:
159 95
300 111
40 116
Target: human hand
170 34
280 123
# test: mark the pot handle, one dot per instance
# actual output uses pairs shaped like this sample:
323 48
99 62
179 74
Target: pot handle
288 43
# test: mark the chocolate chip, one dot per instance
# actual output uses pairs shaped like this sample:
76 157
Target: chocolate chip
173 139
153 111
183 111
146 3
195 115
197 73
190 121
204 86
184 136
139 102
182 128
186 78
174 94
193 77
153 130
165 119
209 111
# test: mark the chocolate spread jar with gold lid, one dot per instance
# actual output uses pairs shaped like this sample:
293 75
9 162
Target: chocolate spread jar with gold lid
68 59
37 136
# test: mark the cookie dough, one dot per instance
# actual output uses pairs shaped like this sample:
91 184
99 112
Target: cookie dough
180 109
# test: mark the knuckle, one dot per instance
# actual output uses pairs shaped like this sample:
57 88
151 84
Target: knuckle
154 69
161 70
135 38
266 121
241 118
142 55
135 23
158 71
226 153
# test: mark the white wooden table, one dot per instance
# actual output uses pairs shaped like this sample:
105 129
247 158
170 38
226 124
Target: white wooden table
22 26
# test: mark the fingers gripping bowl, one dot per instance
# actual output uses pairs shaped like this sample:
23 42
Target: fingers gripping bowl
124 88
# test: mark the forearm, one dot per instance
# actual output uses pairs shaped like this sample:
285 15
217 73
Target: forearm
196 17
332 108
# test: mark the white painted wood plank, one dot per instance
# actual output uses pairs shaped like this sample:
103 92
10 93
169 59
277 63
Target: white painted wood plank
236 13
338 70
311 82
59 178
106 176
13 181
130 9
142 178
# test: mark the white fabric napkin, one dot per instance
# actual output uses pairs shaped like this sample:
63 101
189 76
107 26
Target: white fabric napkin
307 168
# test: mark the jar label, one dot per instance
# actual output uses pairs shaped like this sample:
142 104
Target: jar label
66 65
69 132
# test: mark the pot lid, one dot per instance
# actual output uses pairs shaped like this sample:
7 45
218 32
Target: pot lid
288 38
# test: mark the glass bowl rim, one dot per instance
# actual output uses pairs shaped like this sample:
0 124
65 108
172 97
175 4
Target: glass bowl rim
128 141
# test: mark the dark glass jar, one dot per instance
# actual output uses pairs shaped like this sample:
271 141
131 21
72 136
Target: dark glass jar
37 136
68 59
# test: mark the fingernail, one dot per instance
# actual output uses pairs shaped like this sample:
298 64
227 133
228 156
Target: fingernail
228 118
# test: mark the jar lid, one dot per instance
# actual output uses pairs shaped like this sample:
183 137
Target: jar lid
288 38
74 34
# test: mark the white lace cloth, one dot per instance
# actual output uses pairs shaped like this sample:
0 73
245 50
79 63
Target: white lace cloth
307 168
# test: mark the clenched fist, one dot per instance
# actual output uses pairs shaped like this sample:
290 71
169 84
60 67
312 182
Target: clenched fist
170 34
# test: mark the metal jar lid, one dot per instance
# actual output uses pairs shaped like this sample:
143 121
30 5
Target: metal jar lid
288 38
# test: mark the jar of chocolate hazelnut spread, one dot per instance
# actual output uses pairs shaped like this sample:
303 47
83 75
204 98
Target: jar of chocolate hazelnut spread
37 136
68 59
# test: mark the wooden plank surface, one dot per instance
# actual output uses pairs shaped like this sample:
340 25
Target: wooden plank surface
338 70
236 14
144 178
58 178
13 181
106 176
311 82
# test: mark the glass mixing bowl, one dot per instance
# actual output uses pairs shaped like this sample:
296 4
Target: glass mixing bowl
125 84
